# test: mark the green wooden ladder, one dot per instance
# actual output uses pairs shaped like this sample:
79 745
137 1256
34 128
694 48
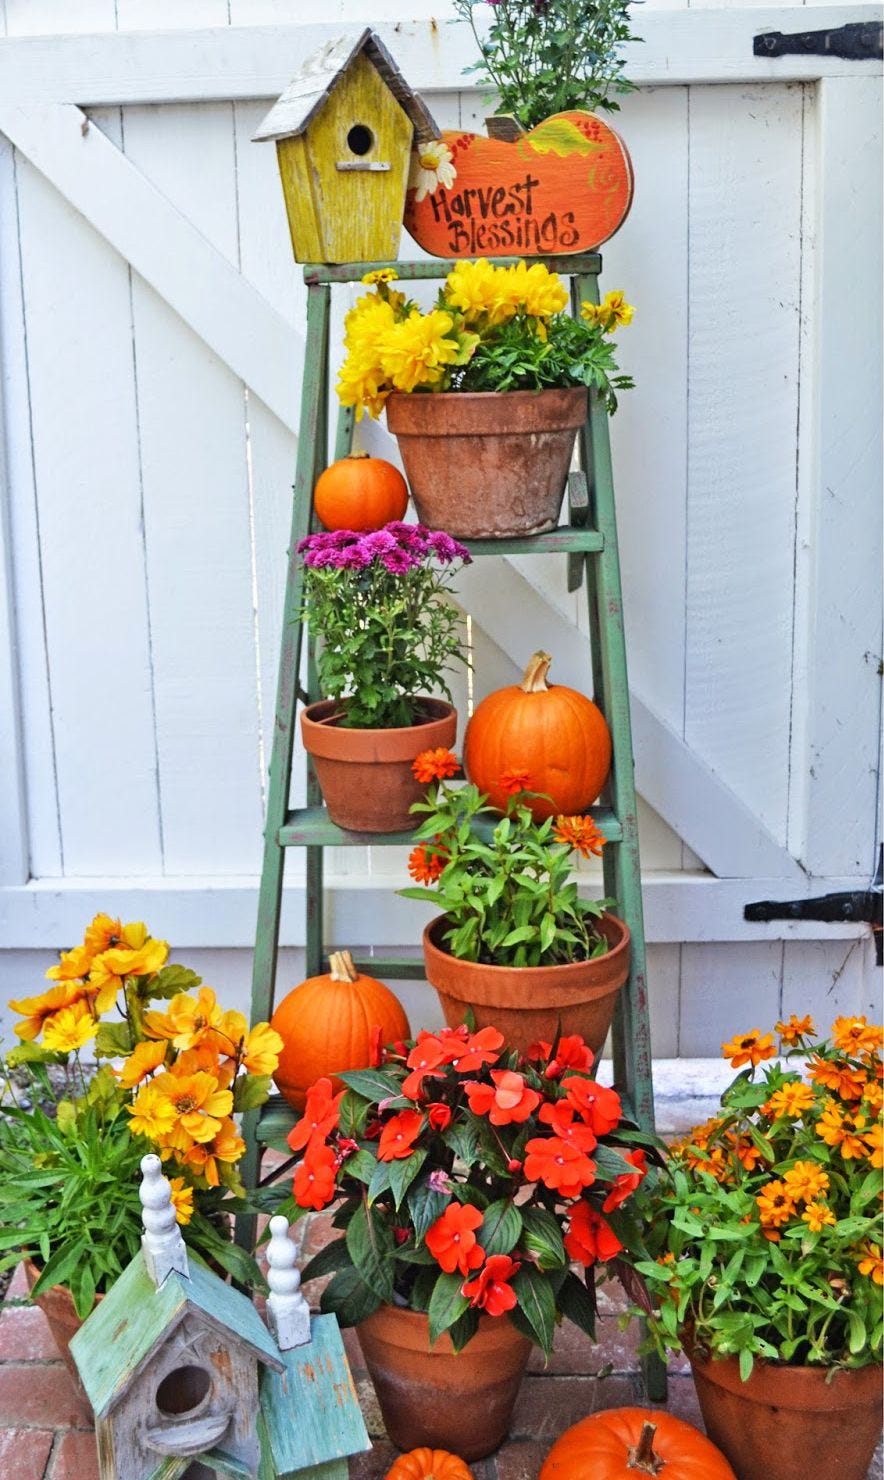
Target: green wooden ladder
589 541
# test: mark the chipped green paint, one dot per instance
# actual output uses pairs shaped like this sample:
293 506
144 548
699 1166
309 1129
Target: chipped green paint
311 1411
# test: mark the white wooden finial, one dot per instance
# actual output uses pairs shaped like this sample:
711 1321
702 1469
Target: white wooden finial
161 1241
287 1311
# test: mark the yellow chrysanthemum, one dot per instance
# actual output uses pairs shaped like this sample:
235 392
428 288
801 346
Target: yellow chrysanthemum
182 1200
796 1028
611 312
775 1205
38 1009
188 1021
69 1029
790 1102
817 1216
806 1181
381 275
153 1114
143 1060
855 1035
418 350
72 966
198 1103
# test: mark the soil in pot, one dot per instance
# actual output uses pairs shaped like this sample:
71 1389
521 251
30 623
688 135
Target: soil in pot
488 464
365 775
434 1396
531 1002
788 1422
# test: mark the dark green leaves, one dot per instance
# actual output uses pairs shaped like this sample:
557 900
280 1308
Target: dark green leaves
250 1091
349 1298
537 1304
500 1228
372 1085
446 1304
542 1237
370 1246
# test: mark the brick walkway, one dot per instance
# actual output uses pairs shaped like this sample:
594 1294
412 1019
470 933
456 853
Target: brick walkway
45 1425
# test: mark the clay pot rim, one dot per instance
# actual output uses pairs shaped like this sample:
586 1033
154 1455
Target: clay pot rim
479 396
414 1326
533 974
555 410
333 742
790 1385
314 717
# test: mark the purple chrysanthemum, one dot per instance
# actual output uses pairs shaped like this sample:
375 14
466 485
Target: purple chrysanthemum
398 561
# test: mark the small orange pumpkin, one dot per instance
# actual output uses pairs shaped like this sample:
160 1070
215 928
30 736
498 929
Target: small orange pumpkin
552 734
625 1443
429 1464
360 492
326 1026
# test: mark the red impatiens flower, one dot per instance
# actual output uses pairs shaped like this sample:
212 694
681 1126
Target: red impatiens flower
320 1116
590 1237
439 1116
376 1047
426 1056
480 1048
559 1165
452 1239
598 1106
571 1053
626 1183
514 781
489 1291
399 1135
314 1185
509 1099
435 765
559 1116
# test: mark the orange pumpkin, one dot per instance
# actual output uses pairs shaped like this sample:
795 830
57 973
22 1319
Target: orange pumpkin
624 1443
326 1026
552 734
429 1464
360 492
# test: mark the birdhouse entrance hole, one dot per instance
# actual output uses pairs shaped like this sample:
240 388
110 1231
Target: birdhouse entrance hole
183 1391
360 139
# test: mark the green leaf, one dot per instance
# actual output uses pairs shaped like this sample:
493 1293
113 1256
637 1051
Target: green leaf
349 1298
58 1269
576 1301
447 1304
372 1085
746 1364
380 1179
360 1165
403 1172
537 1304
352 1115
500 1228
542 1237
464 1329
171 980
330 1258
250 1091
113 1040
32 1053
83 1289
370 1244
425 1206
66 1117
463 1140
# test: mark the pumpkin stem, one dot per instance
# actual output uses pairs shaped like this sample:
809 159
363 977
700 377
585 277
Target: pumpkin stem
534 681
355 456
642 1457
341 967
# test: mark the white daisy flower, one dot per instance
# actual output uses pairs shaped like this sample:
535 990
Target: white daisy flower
431 167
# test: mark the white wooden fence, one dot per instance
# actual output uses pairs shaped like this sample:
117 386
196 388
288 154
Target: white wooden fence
151 348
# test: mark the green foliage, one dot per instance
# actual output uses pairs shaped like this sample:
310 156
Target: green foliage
549 56
514 357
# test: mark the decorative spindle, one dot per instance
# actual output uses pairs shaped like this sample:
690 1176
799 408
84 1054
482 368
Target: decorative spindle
161 1241
288 1313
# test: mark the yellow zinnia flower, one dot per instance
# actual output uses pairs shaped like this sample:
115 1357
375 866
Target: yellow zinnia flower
749 1048
806 1180
182 1200
790 1102
199 1105
817 1216
69 1029
144 1058
796 1028
36 1010
153 1114
188 1021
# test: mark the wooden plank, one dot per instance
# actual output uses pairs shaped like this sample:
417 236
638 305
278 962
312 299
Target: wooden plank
830 977
311 1410
244 62
710 1009
165 248
743 414
311 827
192 445
84 433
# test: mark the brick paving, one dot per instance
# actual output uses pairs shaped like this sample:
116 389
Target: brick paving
45 1425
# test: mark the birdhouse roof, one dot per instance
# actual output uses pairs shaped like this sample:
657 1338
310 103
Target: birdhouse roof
317 1390
135 1317
307 93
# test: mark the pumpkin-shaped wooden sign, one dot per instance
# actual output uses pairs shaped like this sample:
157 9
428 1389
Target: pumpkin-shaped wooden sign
563 187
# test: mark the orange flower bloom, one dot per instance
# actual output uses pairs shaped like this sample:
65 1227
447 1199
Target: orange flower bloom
452 1239
199 1105
104 934
37 1010
399 1135
846 1081
426 1057
182 1200
227 1146
796 1028
559 1165
853 1142
189 1022
144 1058
775 1205
138 954
72 966
489 1291
806 1180
816 1215
508 1101
465 1057
597 1106
870 1262
435 765
314 1185
830 1126
589 1237
426 863
320 1116
790 1102
581 834
855 1035
744 1149
513 781
626 1183
874 1139
749 1048
261 1049
873 1094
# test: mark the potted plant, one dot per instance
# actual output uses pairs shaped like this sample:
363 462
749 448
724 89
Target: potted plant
485 391
71 1137
379 603
467 1178
515 942
766 1230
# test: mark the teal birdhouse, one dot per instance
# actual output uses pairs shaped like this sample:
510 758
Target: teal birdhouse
180 1368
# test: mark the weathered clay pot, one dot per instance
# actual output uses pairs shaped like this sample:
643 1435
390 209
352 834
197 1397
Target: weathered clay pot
57 1305
788 1422
531 1002
487 464
434 1396
366 775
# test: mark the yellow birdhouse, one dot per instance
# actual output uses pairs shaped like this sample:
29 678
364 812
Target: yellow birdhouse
344 130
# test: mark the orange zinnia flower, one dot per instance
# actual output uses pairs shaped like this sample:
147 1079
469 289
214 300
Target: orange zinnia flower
855 1035
874 1139
513 781
399 1135
426 863
870 1262
320 1116
749 1048
435 765
817 1216
589 1237
314 1184
830 1126
790 1102
581 834
559 1165
489 1291
775 1205
796 1028
508 1101
853 1142
846 1081
452 1239
806 1180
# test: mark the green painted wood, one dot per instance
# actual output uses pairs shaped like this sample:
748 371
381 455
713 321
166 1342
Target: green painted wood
564 540
438 267
307 827
311 1410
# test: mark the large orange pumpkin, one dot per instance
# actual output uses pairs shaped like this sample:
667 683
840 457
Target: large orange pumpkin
326 1026
552 734
429 1464
625 1443
360 492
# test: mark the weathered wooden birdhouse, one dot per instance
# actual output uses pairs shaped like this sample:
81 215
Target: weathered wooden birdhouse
344 130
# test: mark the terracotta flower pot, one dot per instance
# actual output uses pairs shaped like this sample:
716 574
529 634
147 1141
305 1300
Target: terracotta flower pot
788 1422
57 1305
488 464
366 775
530 1002
434 1396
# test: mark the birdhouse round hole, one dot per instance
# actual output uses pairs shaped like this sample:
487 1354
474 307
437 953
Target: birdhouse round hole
183 1391
360 139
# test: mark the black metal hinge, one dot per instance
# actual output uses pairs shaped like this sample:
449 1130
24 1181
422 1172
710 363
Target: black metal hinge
865 905
859 41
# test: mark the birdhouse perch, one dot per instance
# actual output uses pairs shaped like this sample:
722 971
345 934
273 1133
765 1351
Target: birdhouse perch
344 130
